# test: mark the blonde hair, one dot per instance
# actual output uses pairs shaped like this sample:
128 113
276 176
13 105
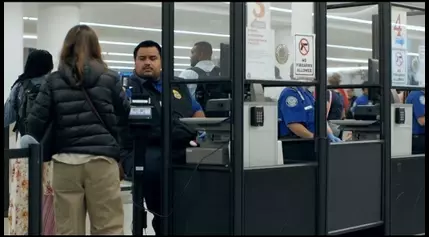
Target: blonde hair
334 79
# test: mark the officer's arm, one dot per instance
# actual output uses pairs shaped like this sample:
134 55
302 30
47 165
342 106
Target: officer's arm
299 130
197 109
357 102
294 115
189 74
419 110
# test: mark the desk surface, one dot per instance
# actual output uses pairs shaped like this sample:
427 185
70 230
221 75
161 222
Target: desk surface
353 122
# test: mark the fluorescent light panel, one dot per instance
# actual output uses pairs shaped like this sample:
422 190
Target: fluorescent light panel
217 50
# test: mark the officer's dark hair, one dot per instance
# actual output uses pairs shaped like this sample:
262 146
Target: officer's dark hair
365 85
204 47
147 44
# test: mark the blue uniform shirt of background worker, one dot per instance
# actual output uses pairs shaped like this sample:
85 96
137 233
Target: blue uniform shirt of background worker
417 99
296 105
296 108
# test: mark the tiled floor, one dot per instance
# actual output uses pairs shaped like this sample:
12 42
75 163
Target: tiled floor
126 197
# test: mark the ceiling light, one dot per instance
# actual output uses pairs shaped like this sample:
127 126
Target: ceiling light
131 55
132 62
345 69
132 68
346 60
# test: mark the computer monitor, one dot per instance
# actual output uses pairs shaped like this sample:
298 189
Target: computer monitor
224 60
374 94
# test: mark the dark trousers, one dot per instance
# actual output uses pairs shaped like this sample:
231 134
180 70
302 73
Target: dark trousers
418 145
152 187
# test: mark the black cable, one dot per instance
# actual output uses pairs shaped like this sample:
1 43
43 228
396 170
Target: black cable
184 188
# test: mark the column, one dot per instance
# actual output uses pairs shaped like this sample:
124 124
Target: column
54 21
13 44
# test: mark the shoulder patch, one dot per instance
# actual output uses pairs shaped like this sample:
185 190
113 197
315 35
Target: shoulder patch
422 99
291 101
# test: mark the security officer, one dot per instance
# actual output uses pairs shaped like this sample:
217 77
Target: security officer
296 113
417 99
147 80
362 99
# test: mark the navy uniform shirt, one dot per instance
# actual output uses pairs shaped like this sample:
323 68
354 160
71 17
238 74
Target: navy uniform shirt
295 105
195 105
417 99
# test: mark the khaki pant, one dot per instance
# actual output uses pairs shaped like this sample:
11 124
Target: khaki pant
92 187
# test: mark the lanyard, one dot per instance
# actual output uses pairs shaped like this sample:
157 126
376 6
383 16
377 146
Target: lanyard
299 93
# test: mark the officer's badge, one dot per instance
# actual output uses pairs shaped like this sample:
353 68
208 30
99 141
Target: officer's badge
422 99
291 101
177 95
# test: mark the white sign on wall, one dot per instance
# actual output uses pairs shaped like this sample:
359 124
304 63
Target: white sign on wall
260 54
399 48
304 56
399 29
399 67
258 15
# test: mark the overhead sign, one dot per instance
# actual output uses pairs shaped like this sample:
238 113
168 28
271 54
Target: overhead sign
399 29
399 67
304 56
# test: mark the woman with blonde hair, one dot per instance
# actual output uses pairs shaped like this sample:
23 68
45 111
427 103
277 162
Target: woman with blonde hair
86 104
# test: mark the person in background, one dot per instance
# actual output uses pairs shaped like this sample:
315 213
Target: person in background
335 111
335 80
86 103
417 99
352 98
39 64
362 99
147 58
201 65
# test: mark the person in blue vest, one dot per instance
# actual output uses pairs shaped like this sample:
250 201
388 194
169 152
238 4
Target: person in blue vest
417 99
296 113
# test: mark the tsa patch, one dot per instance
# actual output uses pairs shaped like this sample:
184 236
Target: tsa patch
422 99
291 101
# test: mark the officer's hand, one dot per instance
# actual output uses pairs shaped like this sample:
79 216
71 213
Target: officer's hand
334 138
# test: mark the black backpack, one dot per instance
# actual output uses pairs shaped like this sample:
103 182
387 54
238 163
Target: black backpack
207 91
28 91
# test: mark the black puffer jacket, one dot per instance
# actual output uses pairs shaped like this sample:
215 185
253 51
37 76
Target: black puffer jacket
77 128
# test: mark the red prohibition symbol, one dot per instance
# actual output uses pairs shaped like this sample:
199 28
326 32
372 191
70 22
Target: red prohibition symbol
304 47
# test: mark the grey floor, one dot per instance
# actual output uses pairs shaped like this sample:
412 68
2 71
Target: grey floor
126 198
